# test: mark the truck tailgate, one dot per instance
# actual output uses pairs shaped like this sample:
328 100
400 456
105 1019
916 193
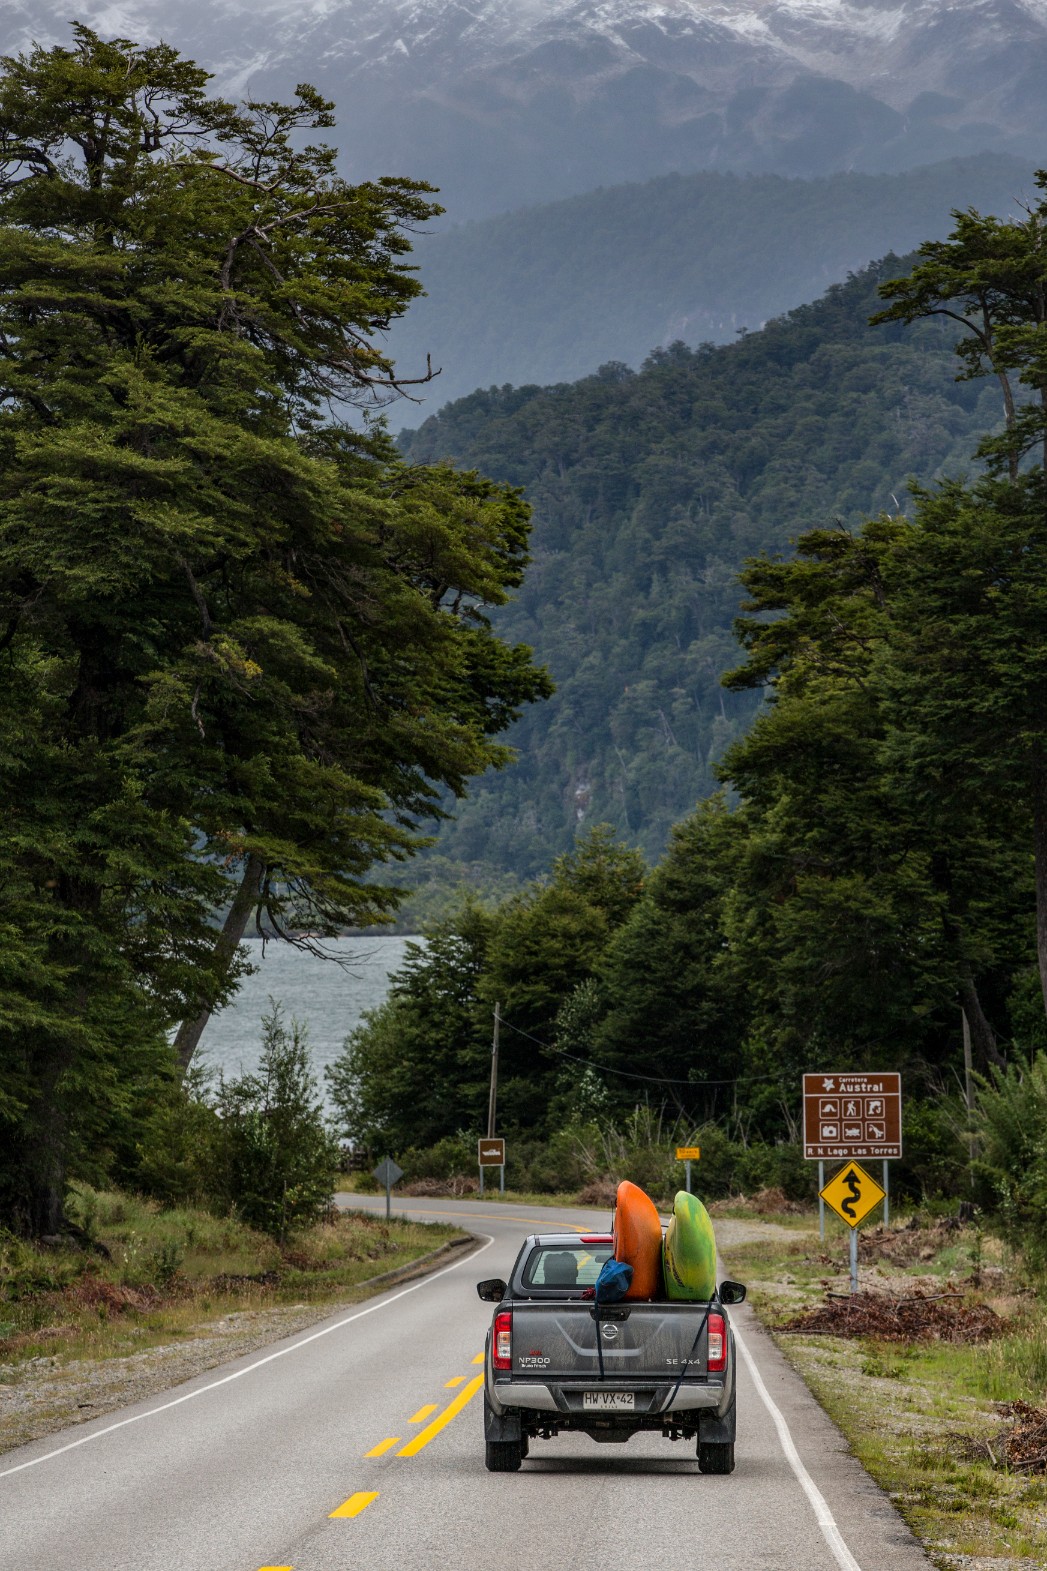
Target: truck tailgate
641 1342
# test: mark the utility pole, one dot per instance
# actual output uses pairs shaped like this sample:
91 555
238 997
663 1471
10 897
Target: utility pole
492 1101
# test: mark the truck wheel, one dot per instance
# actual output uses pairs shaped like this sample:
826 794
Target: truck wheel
715 1457
503 1456
525 1445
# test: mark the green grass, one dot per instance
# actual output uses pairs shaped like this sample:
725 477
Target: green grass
908 1408
165 1273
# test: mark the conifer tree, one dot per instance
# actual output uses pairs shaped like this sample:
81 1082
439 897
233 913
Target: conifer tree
244 646
991 277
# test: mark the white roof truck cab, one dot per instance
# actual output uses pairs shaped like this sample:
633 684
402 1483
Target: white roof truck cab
556 1360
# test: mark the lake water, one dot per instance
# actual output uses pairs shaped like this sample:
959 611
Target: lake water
328 997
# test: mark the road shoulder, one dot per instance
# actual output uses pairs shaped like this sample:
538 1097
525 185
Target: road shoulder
48 1395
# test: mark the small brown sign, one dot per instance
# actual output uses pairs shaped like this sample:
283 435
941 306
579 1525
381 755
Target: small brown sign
850 1116
491 1152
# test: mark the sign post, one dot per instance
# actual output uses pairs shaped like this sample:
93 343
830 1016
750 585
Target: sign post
851 1118
388 1173
687 1155
491 1153
852 1193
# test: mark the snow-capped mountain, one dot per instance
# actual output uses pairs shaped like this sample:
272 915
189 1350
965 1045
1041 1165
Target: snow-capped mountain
502 102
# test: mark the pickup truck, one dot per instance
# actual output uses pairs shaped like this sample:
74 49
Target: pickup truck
661 1367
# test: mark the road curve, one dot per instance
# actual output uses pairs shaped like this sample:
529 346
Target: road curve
358 1444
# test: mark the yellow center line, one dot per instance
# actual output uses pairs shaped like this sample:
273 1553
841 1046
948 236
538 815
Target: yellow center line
449 1385
479 1358
441 1420
423 1412
355 1504
275 1568
383 1446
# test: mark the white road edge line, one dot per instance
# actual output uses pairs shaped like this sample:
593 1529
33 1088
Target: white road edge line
281 1352
824 1517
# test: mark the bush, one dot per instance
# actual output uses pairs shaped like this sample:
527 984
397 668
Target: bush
450 1156
177 1151
1011 1166
274 1154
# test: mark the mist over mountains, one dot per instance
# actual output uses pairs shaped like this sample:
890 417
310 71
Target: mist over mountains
503 103
549 294
767 147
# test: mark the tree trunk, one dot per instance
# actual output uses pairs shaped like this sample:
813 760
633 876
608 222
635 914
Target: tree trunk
1039 834
983 1037
233 928
45 1155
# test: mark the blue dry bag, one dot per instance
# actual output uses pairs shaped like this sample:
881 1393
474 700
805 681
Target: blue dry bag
614 1281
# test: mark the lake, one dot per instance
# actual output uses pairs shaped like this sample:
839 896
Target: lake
327 996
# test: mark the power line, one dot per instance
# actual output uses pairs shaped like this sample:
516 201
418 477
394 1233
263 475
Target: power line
629 1074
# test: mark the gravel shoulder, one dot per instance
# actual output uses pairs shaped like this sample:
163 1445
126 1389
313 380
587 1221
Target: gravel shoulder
44 1395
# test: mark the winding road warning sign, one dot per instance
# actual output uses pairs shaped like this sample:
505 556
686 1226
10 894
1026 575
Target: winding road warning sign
852 1194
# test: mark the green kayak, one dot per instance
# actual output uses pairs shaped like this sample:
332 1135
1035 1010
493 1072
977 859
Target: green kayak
689 1250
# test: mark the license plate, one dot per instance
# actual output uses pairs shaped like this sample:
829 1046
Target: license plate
616 1400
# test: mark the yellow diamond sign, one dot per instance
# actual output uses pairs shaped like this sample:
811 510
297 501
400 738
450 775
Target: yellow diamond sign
852 1194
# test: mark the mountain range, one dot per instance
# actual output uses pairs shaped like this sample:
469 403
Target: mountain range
507 102
550 293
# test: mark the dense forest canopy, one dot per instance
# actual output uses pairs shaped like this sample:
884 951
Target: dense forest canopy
650 490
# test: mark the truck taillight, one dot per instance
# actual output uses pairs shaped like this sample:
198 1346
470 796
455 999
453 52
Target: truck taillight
717 1343
502 1347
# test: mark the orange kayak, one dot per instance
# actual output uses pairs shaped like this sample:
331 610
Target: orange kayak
638 1240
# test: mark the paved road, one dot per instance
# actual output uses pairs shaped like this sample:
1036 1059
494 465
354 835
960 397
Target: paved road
358 1444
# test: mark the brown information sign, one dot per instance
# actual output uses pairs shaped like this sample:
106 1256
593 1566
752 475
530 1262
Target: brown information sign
846 1117
492 1152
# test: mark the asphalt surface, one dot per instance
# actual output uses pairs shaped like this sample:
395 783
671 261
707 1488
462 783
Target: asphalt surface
358 1444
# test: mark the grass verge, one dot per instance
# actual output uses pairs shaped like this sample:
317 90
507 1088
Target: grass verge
154 1275
911 1409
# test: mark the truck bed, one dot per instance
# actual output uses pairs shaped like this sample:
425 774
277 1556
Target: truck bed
545 1372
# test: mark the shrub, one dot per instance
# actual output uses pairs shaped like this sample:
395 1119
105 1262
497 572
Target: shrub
177 1151
1011 1166
275 1155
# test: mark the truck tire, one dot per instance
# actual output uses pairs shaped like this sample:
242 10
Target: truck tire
503 1456
715 1457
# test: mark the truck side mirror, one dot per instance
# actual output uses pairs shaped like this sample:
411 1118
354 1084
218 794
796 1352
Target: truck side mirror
732 1293
493 1290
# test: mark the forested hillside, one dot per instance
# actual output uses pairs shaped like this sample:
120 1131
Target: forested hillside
550 293
650 489
870 886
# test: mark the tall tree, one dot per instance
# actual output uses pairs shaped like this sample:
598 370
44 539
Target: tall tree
991 277
247 645
672 1011
868 904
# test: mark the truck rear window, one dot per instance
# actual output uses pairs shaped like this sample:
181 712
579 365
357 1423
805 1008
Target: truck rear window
564 1268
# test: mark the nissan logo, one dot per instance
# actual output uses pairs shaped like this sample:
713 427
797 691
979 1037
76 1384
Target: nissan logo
609 1333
